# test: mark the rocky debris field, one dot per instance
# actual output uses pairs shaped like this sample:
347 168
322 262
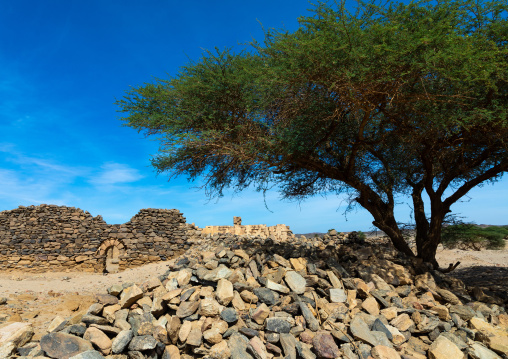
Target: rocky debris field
256 299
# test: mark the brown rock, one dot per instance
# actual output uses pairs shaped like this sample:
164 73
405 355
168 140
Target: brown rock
99 339
384 352
443 348
187 308
130 295
325 345
261 313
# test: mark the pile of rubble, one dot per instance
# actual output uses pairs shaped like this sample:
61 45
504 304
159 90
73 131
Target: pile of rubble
260 300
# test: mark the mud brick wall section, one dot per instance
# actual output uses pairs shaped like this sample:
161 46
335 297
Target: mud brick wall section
52 238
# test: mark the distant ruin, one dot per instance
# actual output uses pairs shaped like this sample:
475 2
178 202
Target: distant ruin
280 232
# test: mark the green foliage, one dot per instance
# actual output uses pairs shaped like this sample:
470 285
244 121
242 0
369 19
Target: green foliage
391 100
361 236
470 236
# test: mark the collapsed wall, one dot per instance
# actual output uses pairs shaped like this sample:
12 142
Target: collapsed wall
50 237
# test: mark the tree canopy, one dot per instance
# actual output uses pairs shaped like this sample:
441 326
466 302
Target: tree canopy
385 101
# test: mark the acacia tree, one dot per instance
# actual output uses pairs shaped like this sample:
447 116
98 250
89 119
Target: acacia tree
389 101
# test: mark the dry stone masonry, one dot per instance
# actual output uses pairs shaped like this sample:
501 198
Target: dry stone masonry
280 232
50 237
258 299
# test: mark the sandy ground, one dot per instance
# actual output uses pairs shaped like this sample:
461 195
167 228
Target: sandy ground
38 298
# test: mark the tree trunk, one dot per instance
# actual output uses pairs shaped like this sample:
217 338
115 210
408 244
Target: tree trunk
390 227
428 240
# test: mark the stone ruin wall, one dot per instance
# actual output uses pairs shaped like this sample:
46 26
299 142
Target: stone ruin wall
280 232
49 237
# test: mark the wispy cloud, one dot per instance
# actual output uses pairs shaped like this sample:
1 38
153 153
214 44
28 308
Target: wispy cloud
115 173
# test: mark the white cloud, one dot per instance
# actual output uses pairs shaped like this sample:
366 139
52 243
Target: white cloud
115 173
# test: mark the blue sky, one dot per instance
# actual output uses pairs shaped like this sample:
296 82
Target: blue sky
63 64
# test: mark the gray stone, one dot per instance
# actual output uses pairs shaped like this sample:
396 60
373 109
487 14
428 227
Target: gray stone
304 351
89 354
295 281
237 343
94 319
267 296
338 295
464 312
278 325
311 320
143 342
121 341
380 327
361 331
478 351
229 315
64 346
288 343
186 309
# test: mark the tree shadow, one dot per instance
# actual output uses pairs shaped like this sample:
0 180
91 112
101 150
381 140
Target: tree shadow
491 279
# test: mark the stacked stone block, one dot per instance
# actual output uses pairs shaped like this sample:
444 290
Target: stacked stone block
50 237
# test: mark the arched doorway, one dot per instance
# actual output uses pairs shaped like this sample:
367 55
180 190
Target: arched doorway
112 259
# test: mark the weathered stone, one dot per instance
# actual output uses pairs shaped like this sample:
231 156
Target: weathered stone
402 322
13 336
171 352
278 325
89 354
464 312
277 287
99 339
63 346
370 305
443 348
238 347
130 295
338 295
295 281
224 292
495 338
260 313
361 331
249 297
304 351
94 319
238 302
209 307
212 336
185 330
257 348
195 337
173 328
222 351
384 352
142 342
266 295
229 315
57 324
187 308
325 345
288 343
312 322
121 341
478 351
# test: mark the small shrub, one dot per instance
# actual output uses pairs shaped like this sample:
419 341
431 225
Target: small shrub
361 236
470 236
